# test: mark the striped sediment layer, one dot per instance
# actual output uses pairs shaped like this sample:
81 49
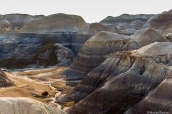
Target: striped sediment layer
98 47
124 79
89 30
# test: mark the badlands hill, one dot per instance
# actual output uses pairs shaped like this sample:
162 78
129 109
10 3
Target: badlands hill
41 35
125 18
159 20
54 23
4 25
123 63
131 28
18 20
123 80
89 30
19 50
98 47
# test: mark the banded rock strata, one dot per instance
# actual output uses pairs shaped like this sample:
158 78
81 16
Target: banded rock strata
99 46
89 30
122 80
4 80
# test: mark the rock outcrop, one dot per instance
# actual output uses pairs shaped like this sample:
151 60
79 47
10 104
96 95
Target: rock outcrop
54 23
159 20
18 20
125 18
4 80
122 80
98 47
89 30
25 106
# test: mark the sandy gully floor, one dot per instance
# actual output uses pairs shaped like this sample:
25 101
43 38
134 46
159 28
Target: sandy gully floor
32 83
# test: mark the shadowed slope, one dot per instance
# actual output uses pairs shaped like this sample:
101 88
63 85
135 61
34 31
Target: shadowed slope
4 81
158 100
121 80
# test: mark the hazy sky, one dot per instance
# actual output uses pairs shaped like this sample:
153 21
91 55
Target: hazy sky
90 10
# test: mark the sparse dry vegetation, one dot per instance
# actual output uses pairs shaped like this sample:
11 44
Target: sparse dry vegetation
27 84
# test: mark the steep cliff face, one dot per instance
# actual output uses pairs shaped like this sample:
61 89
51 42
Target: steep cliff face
122 80
54 23
89 30
98 47
159 20
18 20
125 18
26 106
4 80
